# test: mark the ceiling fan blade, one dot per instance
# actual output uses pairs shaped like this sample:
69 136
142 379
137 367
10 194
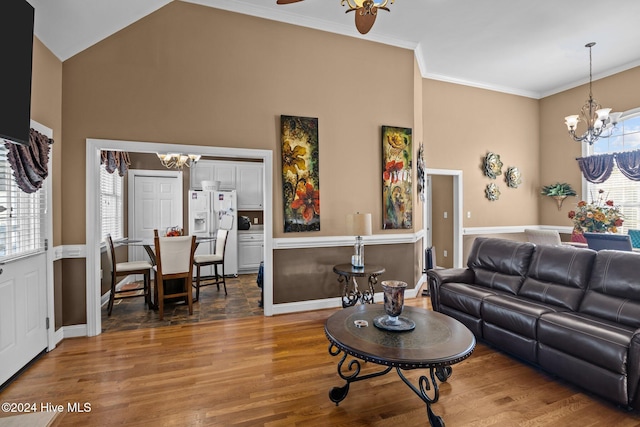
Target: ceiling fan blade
287 1
364 22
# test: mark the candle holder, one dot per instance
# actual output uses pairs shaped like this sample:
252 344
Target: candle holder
359 225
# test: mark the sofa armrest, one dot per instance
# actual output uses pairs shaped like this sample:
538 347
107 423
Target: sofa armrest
437 277
633 370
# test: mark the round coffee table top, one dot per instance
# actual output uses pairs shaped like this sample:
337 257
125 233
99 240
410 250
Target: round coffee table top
437 340
367 270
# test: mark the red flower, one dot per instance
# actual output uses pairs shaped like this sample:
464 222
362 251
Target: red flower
609 202
307 199
572 214
391 170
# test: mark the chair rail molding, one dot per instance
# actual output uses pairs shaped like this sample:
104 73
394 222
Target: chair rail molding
333 241
470 231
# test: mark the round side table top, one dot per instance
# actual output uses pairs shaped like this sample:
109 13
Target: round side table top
350 270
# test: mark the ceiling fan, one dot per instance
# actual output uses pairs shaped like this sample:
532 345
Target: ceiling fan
366 11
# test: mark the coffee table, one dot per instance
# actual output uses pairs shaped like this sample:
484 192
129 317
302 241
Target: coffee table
437 342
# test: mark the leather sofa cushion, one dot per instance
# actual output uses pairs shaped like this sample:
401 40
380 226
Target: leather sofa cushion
500 264
614 292
594 340
558 275
514 313
463 297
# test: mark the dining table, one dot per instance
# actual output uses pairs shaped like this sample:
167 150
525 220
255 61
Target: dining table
149 246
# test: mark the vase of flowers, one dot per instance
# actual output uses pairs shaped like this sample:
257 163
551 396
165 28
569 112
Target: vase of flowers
599 216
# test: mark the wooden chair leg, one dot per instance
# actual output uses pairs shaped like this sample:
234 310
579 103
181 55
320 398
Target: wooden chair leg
160 286
147 289
112 297
215 268
187 284
224 281
197 282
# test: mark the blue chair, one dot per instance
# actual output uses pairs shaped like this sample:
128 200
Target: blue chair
635 238
599 241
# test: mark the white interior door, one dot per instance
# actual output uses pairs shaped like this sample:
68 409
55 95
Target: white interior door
26 282
23 312
155 202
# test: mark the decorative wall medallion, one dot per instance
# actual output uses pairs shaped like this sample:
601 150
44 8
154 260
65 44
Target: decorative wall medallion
492 192
513 177
492 165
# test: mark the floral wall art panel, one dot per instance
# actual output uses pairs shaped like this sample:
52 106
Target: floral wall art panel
397 190
300 176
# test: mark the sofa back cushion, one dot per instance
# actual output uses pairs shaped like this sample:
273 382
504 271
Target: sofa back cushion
500 264
558 275
614 289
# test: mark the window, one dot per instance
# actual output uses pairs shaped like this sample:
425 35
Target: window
22 230
110 204
623 191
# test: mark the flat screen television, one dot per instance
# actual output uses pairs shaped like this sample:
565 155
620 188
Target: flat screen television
16 55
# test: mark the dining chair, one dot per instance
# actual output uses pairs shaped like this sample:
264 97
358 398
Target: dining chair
120 269
174 262
216 259
543 237
599 241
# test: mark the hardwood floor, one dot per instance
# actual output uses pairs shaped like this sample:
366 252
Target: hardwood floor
276 371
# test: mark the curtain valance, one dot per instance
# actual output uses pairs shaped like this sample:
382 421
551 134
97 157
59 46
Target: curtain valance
29 162
597 169
115 161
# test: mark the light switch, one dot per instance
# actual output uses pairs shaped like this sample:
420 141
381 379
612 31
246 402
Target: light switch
468 214
445 253
446 215
255 220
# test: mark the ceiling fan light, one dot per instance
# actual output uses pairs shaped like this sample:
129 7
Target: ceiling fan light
365 21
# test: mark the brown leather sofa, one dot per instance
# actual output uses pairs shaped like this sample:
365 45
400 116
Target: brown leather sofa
571 311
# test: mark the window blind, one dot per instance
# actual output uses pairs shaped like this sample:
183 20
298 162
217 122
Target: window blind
110 204
22 229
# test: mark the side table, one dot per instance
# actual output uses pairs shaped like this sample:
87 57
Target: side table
347 274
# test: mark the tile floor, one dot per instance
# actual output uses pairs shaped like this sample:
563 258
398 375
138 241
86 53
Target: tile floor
242 301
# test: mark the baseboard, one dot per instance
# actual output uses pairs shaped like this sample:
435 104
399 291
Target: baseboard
320 304
74 331
57 337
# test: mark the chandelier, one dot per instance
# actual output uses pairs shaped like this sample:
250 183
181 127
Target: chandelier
366 11
178 161
598 120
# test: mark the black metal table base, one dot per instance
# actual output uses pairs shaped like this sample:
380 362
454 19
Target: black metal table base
350 297
350 372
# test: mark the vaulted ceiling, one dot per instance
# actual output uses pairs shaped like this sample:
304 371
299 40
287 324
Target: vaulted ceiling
528 48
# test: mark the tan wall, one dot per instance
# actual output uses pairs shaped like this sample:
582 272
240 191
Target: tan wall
46 109
306 274
558 151
462 124
197 75
189 74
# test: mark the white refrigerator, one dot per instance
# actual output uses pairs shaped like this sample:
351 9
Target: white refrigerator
209 211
